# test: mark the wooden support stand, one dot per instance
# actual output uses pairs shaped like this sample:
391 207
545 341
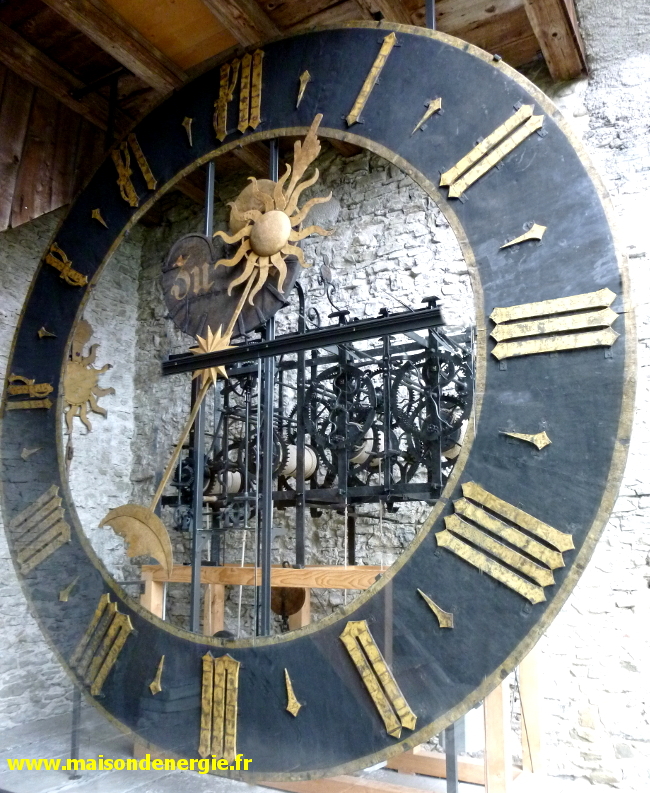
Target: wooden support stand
495 772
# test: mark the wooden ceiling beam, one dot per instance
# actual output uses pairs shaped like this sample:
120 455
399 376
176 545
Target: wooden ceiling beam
244 19
390 10
103 25
35 67
555 24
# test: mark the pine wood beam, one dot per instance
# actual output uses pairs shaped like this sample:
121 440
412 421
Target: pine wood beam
101 23
247 22
390 10
319 577
256 157
556 27
428 763
35 67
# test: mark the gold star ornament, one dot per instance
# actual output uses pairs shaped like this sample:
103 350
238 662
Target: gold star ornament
213 342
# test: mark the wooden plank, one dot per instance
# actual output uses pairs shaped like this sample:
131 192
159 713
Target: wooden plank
153 596
14 116
321 577
338 784
214 608
427 763
110 31
244 19
498 756
531 732
293 12
32 65
184 30
556 29
344 148
346 11
32 192
302 617
65 156
390 10
90 149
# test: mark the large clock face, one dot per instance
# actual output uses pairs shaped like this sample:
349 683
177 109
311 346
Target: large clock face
532 488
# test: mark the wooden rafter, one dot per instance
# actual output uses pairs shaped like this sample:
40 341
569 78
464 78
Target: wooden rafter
390 10
35 67
556 28
97 20
244 19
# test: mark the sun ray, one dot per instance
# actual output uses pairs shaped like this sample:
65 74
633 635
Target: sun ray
235 237
292 203
288 250
265 198
278 195
304 154
280 265
248 270
213 342
244 248
263 275
295 236
242 217
300 216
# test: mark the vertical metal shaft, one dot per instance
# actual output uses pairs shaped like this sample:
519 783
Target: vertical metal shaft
300 437
431 14
74 732
199 449
266 440
451 758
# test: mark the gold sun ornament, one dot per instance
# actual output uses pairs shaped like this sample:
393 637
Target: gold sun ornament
265 218
213 342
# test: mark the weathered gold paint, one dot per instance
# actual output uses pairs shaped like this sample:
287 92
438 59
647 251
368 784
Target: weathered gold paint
304 79
58 259
371 80
101 644
64 594
539 574
445 618
539 439
603 298
293 706
219 692
485 564
377 678
558 539
187 124
96 214
433 105
570 341
536 232
122 160
245 92
24 386
156 685
39 530
559 324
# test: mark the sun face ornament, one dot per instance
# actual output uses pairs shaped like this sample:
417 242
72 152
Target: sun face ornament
265 219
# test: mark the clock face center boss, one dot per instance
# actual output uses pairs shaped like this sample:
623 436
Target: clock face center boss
510 528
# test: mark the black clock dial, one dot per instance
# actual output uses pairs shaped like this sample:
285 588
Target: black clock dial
517 522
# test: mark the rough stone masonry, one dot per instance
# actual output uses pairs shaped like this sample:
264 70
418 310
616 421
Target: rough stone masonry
596 655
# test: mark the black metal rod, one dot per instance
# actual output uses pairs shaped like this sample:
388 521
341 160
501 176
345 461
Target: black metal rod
74 732
295 342
266 443
431 14
451 759
300 437
199 449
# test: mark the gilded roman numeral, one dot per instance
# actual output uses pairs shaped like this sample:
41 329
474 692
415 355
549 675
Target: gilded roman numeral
25 386
57 258
377 678
39 530
551 326
478 536
101 644
219 690
489 152
371 79
250 93
122 159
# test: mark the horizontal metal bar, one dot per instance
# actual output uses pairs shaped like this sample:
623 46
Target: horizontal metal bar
295 342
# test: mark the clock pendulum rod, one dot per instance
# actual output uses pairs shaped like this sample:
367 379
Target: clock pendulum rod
199 447
266 444
431 14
